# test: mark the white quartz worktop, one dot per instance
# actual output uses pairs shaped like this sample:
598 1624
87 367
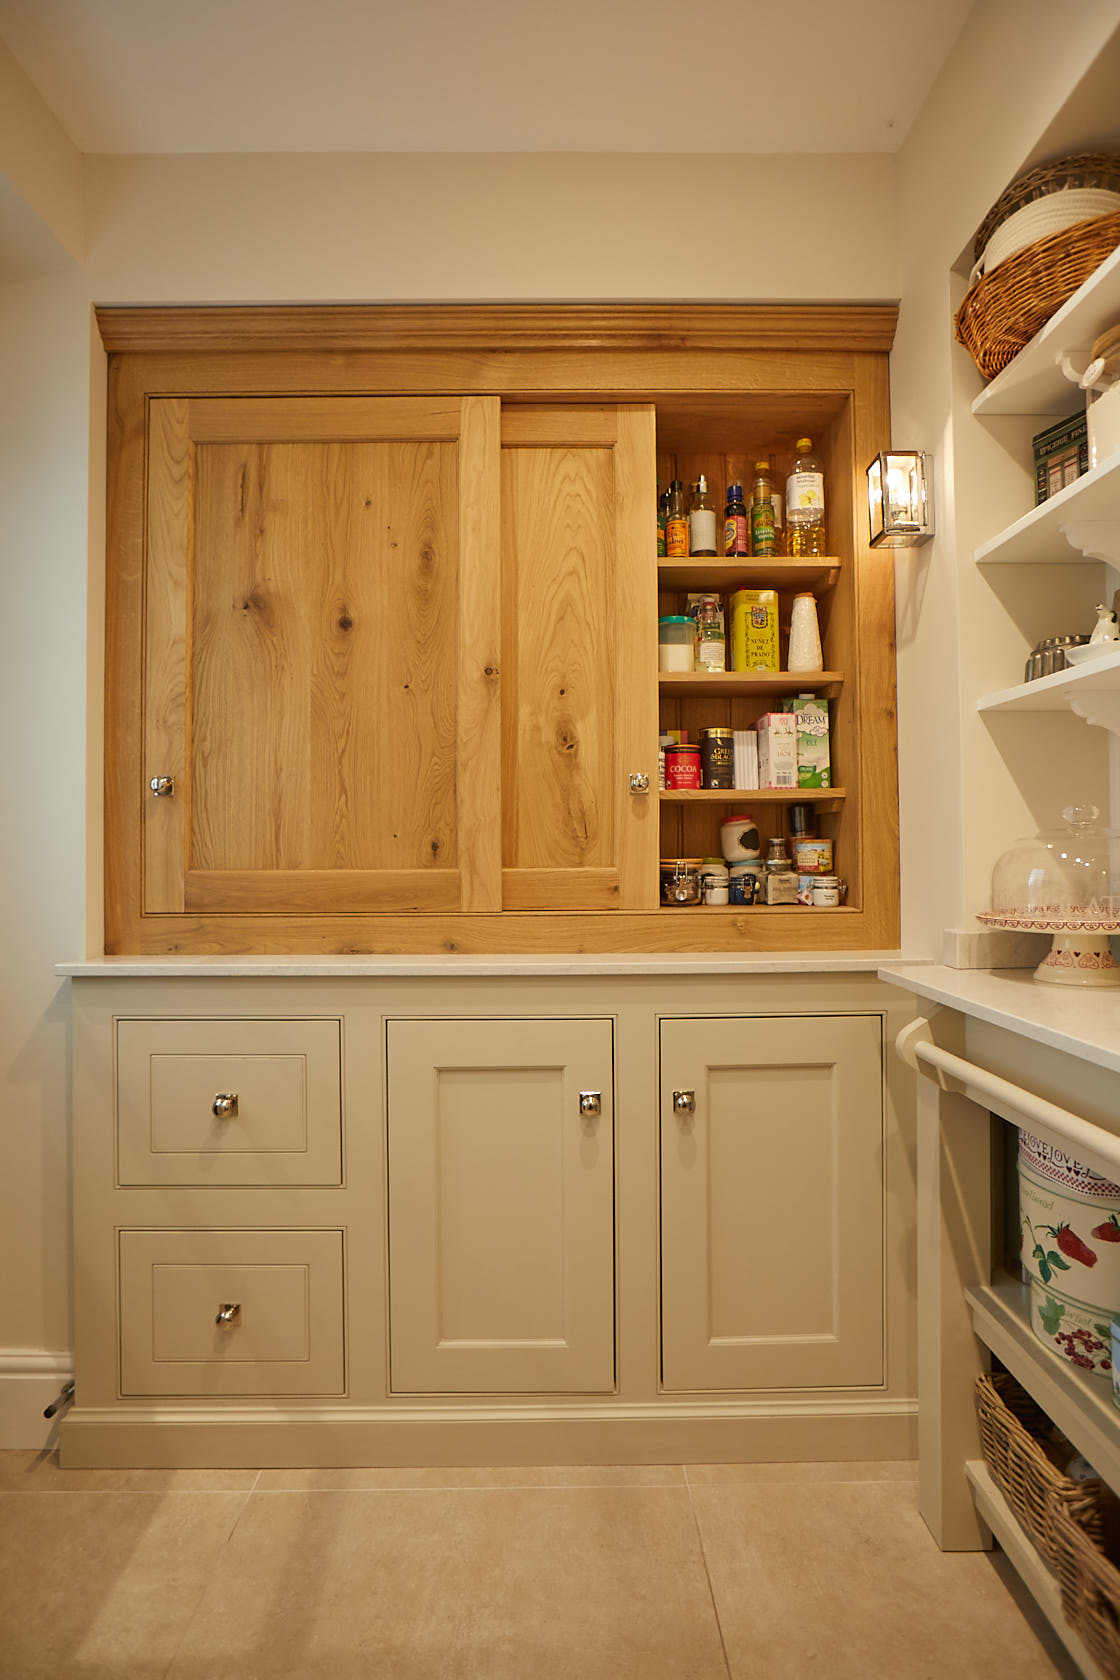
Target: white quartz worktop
457 966
1081 1020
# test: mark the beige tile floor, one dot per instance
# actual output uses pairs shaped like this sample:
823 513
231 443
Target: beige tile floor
701 1572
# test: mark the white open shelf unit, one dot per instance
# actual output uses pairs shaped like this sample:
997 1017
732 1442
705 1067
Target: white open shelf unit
1090 691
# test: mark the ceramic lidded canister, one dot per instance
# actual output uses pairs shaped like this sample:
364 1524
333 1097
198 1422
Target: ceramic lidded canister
1069 1226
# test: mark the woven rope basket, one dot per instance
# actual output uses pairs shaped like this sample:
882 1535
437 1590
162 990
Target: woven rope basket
1084 169
1004 309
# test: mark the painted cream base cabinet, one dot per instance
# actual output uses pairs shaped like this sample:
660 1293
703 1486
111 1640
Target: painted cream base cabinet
398 1214
771 1202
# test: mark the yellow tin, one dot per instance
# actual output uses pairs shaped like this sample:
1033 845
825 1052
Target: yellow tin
754 630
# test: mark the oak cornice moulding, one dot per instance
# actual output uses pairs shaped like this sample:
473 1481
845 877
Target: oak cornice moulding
341 328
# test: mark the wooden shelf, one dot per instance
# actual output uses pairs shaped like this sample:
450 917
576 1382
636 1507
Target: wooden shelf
1034 382
1080 1404
731 683
1042 1586
827 799
1082 522
724 575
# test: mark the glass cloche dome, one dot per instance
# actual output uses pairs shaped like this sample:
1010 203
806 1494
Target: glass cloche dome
1065 882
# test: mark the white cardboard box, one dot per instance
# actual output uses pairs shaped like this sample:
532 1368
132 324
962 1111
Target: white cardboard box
777 750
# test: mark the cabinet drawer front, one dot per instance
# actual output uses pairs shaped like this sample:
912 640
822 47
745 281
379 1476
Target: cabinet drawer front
229 1102
772 1202
231 1312
501 1184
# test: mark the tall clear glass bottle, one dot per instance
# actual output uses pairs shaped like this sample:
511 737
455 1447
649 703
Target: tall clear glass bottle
701 521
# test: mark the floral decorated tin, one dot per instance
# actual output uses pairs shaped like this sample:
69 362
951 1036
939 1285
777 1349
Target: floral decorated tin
1069 1225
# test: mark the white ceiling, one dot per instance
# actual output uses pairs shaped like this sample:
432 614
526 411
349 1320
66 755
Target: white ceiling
719 76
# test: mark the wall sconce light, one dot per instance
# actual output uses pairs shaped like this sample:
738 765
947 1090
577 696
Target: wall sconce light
900 498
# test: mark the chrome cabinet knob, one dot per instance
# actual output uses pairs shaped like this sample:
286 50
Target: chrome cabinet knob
162 786
684 1102
591 1102
639 782
229 1312
225 1105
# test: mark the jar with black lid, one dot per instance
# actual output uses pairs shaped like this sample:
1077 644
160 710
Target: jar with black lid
717 758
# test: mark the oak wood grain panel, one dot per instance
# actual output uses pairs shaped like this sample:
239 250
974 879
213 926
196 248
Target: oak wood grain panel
167 654
558 599
334 419
786 381
584 426
325 656
635 605
478 730
332 329
560 889
294 892
124 648
877 698
688 930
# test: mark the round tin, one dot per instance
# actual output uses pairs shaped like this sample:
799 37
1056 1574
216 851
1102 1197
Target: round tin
812 855
682 766
717 758
826 890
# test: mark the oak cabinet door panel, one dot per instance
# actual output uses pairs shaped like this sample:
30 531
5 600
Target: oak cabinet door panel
579 637
321 593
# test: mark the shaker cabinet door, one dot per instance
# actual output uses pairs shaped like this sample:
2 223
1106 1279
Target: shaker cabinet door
579 658
320 655
501 1206
772 1202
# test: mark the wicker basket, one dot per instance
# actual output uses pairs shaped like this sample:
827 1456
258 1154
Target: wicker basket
1012 1430
1005 308
1090 1587
1083 170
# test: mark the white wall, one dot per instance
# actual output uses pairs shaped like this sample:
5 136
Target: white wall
969 788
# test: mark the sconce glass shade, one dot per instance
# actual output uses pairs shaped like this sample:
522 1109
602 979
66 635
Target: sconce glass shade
900 498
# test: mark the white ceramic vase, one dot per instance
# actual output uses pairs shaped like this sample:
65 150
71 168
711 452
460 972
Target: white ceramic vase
804 636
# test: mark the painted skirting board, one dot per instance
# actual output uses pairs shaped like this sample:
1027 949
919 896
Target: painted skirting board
30 1379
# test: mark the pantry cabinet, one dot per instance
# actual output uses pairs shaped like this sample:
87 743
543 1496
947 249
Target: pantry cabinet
771 1202
382 592
408 1211
501 1206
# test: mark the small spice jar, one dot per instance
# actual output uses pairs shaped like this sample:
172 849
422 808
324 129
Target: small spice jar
745 882
682 765
826 891
714 881
717 758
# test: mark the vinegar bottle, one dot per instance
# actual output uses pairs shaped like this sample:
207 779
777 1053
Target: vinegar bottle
701 520
805 503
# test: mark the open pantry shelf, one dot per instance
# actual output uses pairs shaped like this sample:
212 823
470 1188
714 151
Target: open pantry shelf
1091 692
825 799
1079 523
732 683
1080 1404
1034 382
727 575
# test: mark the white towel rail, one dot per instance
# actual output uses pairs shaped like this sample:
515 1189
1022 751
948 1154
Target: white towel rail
1090 1143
